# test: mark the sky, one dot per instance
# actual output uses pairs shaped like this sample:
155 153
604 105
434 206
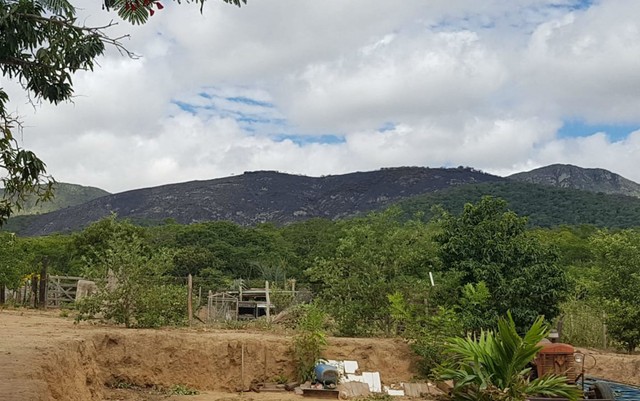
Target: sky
329 87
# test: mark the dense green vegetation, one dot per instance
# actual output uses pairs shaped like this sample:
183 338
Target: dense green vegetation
371 275
543 205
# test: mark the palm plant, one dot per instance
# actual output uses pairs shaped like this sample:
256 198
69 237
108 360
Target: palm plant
495 366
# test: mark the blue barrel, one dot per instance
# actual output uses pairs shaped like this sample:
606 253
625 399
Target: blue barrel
326 374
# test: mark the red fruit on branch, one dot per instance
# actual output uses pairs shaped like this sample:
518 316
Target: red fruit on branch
151 12
159 5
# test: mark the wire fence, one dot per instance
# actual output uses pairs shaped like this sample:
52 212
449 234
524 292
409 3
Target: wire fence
208 301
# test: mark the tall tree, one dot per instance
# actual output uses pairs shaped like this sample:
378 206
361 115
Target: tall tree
618 259
42 44
488 244
13 263
376 257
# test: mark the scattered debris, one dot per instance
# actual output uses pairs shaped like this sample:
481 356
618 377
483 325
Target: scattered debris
354 390
321 393
418 389
352 384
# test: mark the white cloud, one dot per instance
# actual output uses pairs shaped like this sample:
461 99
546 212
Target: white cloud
405 80
585 64
458 82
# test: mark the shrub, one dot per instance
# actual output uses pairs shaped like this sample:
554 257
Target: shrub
583 323
493 366
309 342
132 289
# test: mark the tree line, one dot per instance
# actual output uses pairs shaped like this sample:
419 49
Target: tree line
381 274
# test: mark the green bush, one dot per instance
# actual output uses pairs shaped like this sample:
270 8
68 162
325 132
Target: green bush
132 289
583 323
309 342
162 305
180 389
429 341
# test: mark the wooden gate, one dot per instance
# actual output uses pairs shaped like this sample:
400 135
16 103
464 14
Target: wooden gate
222 307
61 290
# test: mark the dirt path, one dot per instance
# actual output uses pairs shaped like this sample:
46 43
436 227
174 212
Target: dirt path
44 357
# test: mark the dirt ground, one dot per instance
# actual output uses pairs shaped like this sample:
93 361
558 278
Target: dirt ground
44 357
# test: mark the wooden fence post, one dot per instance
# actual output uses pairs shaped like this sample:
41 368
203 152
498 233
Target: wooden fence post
604 330
189 298
242 368
42 295
266 288
34 290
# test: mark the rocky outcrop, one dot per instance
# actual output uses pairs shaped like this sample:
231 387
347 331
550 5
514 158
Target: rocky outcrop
587 179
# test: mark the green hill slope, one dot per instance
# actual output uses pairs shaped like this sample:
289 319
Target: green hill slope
65 195
545 206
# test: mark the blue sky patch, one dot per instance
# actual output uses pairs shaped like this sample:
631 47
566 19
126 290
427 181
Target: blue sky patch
189 108
577 128
580 5
309 139
250 102
388 126
254 116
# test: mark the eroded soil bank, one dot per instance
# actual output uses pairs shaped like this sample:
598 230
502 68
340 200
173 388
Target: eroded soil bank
44 357
47 358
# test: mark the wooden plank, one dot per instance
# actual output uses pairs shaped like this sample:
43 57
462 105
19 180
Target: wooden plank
67 285
66 278
320 393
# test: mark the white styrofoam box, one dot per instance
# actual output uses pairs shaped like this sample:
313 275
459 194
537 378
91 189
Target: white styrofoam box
373 380
350 367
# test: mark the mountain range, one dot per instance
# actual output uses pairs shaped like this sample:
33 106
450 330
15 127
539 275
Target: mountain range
597 197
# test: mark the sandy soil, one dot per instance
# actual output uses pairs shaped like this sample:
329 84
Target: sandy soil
46 357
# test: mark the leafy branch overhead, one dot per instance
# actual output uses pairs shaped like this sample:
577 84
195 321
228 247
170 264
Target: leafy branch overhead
139 11
42 44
